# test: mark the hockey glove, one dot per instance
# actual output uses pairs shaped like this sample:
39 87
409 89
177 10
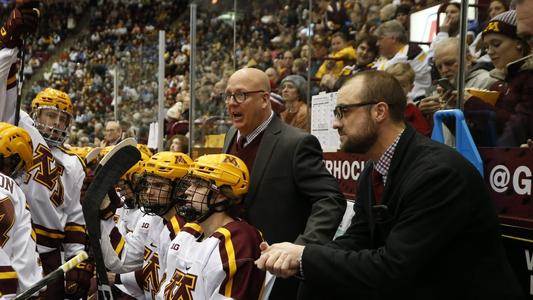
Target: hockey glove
110 204
78 280
20 21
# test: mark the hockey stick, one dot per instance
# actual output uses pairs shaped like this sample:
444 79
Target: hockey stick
122 157
19 84
92 155
56 274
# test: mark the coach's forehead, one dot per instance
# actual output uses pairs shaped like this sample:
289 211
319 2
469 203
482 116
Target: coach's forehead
350 92
248 79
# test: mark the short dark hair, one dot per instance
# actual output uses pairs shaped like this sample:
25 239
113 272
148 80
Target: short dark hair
382 86
339 34
372 43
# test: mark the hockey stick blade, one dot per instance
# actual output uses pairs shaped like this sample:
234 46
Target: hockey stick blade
108 173
56 274
93 154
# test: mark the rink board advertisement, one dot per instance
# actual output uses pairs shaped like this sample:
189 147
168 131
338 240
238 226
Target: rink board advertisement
508 175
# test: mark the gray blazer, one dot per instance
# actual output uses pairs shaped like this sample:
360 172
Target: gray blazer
292 197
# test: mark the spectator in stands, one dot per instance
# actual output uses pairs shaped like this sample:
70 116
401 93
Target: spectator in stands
394 47
497 7
446 58
294 197
113 134
273 78
373 13
387 12
525 20
179 143
299 68
450 28
367 52
402 15
286 64
411 236
514 68
342 54
413 116
294 91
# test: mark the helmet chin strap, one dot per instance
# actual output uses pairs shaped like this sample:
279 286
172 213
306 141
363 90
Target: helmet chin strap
213 208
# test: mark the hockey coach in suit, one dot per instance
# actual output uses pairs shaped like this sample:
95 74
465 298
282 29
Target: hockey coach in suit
292 196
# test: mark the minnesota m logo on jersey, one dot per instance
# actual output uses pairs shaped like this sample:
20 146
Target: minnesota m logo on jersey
150 272
181 286
48 173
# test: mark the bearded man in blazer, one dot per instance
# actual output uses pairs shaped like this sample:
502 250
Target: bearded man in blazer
292 197
424 224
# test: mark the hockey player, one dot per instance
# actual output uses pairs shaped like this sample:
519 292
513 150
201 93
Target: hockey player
127 214
19 262
54 181
59 221
128 189
144 250
213 258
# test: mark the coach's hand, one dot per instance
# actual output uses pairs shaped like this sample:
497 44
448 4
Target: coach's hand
282 259
21 21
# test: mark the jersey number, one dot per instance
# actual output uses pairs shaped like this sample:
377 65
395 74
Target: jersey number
7 219
48 175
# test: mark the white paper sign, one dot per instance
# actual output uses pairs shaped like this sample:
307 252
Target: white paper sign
322 106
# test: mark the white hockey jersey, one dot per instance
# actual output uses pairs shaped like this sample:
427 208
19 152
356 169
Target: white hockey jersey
420 66
17 239
218 267
57 216
8 277
54 186
127 219
143 251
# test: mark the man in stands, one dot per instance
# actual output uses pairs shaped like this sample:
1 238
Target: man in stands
113 134
446 58
394 47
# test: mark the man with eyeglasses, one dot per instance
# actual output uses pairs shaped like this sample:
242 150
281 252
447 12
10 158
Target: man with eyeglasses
292 197
424 226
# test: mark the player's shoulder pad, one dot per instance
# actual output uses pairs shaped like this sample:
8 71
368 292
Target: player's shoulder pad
66 150
240 233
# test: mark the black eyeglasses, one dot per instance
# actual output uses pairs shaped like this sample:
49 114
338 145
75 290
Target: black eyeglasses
341 109
239 97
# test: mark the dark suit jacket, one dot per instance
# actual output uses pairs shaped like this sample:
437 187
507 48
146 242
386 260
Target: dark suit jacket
438 239
292 197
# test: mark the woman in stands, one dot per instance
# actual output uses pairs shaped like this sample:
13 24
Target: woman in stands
514 70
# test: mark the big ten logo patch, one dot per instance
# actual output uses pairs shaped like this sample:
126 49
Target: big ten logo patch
175 246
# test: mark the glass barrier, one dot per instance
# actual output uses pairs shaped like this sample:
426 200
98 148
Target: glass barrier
214 57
